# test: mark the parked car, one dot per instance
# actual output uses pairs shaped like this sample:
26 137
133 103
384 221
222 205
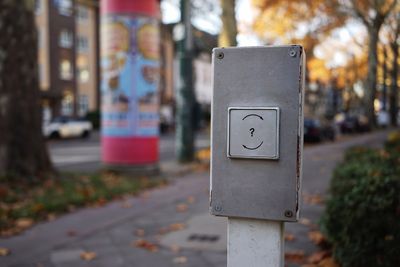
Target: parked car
315 131
354 124
65 127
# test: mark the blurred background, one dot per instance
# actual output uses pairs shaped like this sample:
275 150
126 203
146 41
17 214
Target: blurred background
105 110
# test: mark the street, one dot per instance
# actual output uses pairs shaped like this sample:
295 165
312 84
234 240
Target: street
84 155
170 226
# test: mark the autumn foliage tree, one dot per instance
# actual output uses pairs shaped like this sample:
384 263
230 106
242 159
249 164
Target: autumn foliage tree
23 152
372 14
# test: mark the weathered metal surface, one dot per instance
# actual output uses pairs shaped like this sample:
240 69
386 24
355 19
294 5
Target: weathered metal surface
244 184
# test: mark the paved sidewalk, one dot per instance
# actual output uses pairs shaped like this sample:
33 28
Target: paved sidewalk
173 221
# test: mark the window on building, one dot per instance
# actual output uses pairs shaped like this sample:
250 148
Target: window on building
66 72
82 13
83 75
83 103
65 39
64 7
38 6
82 66
83 44
67 104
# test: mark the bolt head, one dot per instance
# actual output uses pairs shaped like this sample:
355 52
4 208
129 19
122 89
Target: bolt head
292 53
220 55
217 208
288 213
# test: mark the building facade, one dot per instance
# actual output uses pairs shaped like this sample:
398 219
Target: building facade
68 56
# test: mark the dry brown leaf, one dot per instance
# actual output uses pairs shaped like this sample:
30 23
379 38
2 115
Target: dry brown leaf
88 255
180 260
181 207
190 200
126 205
305 221
313 199
139 232
296 256
4 252
72 233
309 265
141 243
175 248
177 226
163 230
24 223
289 237
316 237
318 256
328 262
10 232
145 195
51 217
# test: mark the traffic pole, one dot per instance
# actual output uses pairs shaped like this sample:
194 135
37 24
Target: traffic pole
255 243
185 93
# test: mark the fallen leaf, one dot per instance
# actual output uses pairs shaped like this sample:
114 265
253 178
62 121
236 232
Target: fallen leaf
313 199
309 265
296 256
328 262
175 248
139 232
24 223
10 232
51 217
88 255
190 200
145 195
163 230
305 221
318 256
180 260
4 252
126 205
181 207
177 226
316 237
141 243
72 233
289 237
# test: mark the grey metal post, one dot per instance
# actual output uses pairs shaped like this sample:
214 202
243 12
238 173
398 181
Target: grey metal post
256 148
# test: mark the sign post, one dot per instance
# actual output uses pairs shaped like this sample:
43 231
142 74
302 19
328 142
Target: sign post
129 86
256 148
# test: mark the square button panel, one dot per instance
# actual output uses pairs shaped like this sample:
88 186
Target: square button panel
253 132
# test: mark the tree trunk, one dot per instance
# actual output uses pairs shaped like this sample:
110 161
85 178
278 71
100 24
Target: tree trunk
385 75
227 36
394 94
373 33
23 151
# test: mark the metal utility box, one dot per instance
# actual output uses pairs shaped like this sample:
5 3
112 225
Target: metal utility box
257 132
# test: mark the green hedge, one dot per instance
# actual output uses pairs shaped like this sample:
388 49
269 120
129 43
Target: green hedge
362 216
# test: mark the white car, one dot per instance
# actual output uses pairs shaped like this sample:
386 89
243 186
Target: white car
65 127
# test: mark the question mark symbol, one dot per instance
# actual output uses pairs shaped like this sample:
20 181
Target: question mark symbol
252 131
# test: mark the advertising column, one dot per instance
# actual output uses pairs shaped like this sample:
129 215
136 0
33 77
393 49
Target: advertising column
129 82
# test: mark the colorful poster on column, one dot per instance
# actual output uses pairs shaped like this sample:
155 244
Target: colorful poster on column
130 66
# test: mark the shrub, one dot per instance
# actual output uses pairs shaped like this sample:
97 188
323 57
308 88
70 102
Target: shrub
362 216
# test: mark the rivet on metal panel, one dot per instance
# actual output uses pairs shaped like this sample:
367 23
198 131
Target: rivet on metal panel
217 208
220 55
288 213
292 52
